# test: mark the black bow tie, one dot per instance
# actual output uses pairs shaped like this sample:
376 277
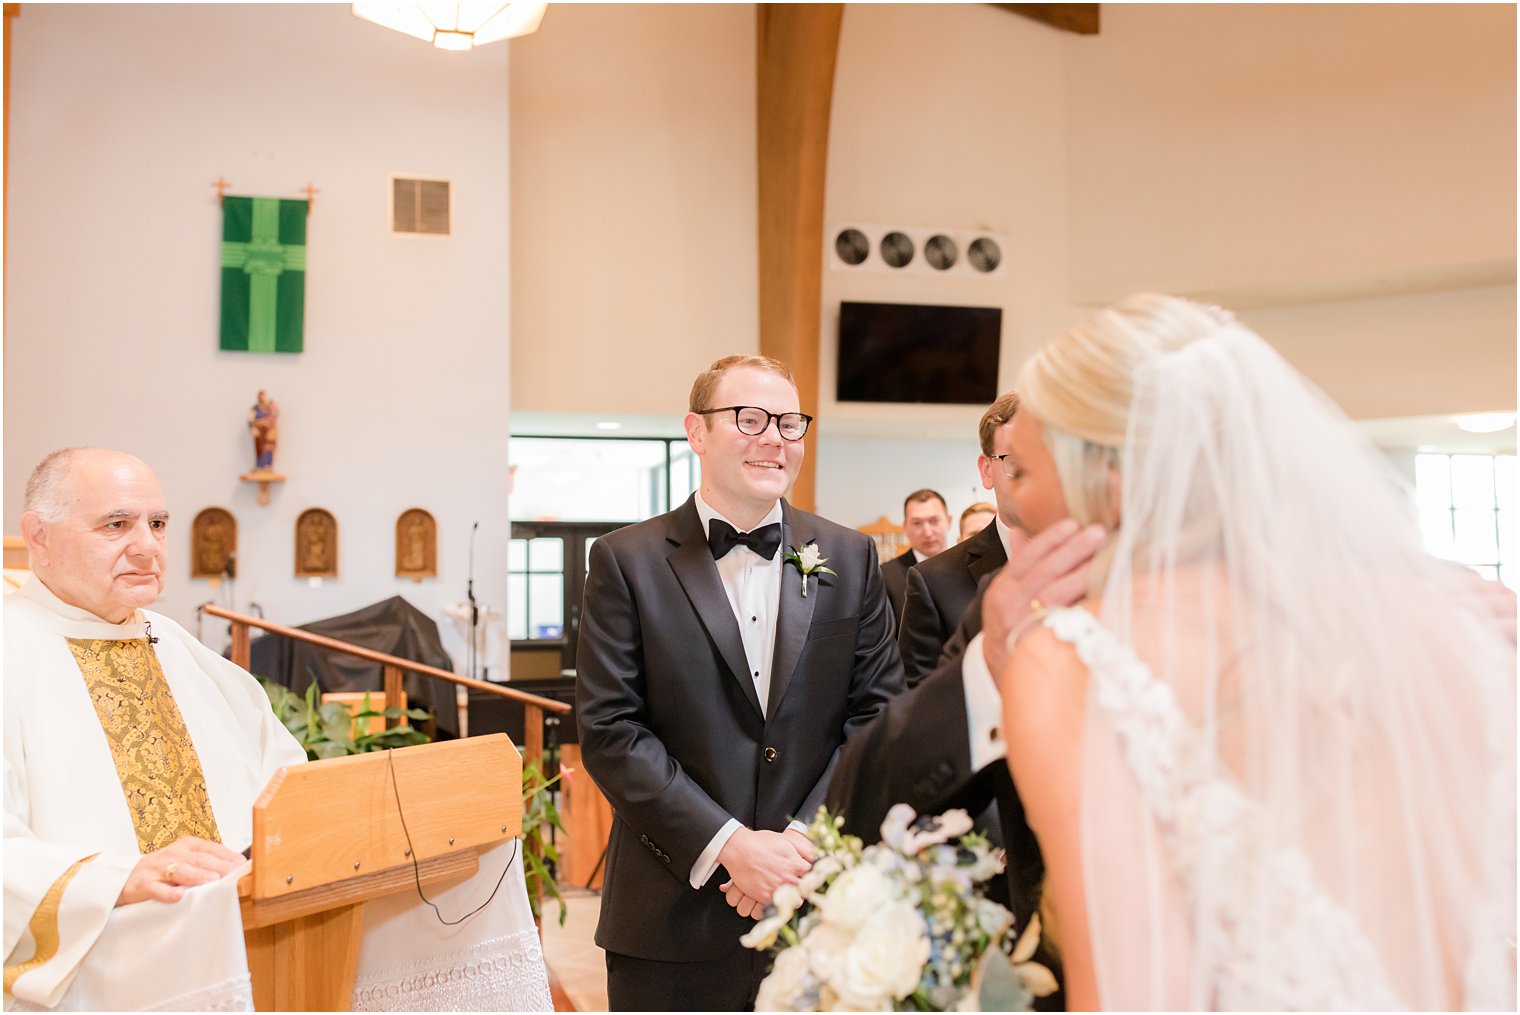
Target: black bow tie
722 537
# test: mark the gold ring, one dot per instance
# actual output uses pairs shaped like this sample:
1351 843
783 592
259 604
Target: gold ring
1035 606
168 874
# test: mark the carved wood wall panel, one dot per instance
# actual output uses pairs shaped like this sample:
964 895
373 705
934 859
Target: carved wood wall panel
316 544
213 543
416 545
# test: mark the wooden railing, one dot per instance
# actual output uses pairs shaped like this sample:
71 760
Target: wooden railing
395 668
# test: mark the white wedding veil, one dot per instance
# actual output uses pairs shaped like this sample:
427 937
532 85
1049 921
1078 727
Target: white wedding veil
1349 836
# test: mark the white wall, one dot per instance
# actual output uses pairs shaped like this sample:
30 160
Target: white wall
633 203
949 116
862 478
1293 151
1345 174
121 118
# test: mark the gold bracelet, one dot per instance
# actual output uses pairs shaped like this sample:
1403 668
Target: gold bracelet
1037 613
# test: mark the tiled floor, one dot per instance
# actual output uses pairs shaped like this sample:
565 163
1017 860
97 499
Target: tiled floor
572 954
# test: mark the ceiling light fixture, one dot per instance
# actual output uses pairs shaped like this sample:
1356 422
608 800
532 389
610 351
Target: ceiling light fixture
456 27
609 425
1485 422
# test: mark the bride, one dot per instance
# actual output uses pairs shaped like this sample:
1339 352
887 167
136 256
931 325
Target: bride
1271 759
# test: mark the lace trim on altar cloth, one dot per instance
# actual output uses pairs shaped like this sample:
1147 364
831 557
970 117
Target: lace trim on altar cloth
235 994
1215 836
503 974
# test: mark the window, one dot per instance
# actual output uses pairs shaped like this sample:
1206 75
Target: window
567 492
1468 511
536 588
599 479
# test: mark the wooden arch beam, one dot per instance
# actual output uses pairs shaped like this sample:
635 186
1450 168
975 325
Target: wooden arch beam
797 47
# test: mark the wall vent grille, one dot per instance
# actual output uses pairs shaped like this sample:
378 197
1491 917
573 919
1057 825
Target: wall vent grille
421 206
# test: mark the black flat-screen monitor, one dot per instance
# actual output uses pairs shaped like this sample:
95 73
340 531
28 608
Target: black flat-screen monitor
909 352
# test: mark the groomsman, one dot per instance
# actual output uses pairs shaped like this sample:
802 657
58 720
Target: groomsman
720 672
926 521
939 589
940 745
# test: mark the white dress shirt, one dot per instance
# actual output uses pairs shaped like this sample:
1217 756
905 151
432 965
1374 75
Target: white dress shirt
753 585
984 706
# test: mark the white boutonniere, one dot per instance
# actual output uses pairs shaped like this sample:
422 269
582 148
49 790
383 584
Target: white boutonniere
807 561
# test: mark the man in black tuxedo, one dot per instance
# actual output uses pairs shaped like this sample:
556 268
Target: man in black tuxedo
940 745
939 589
714 696
926 521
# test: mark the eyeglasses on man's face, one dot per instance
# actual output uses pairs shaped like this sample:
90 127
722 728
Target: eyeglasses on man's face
1010 469
752 421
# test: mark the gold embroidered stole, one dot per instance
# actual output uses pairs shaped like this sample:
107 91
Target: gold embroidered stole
155 759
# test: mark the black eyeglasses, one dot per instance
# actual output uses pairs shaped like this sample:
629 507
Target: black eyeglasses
1009 469
753 421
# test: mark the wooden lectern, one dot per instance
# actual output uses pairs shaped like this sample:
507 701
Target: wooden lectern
327 836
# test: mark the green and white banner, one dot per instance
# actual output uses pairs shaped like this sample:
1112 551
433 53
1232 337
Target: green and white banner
263 274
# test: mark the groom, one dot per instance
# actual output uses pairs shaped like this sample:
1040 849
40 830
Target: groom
714 696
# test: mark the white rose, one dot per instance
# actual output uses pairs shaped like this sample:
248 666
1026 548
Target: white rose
886 959
828 1000
787 982
855 896
811 557
824 947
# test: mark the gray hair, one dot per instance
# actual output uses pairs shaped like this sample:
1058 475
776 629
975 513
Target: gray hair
47 491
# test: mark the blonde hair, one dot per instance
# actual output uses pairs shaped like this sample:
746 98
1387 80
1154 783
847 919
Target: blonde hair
981 507
707 381
1080 386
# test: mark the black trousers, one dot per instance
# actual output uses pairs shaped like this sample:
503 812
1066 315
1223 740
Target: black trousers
727 984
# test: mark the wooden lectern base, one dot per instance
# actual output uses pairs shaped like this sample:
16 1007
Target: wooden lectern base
303 942
306 963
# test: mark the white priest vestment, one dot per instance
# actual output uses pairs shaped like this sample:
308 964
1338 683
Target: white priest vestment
83 801
72 748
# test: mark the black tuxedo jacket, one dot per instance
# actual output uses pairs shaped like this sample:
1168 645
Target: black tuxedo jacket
938 592
672 730
894 575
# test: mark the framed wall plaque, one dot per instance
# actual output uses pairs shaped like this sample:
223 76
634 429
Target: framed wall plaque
316 544
213 543
416 545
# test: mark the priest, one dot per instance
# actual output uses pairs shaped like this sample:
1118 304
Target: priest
133 755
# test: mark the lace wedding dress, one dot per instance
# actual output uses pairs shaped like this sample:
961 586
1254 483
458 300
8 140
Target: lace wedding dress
1283 944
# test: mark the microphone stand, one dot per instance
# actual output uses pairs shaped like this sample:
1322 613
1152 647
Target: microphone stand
474 607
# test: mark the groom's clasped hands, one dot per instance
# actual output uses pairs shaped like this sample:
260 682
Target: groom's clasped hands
760 862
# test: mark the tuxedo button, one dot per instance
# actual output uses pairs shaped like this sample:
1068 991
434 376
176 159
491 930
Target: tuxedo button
996 735
770 754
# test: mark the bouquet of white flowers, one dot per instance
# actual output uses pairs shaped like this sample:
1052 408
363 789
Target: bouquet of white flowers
902 925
